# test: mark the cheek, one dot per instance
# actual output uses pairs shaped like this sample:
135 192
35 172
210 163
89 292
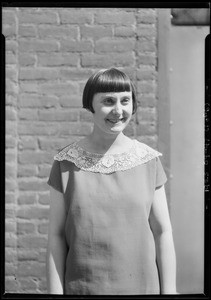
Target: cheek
100 114
129 109
104 110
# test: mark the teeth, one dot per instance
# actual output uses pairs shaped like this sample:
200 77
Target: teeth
115 121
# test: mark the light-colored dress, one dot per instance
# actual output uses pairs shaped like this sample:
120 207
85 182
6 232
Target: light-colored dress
111 249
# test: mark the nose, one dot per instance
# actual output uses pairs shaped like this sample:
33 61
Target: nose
117 110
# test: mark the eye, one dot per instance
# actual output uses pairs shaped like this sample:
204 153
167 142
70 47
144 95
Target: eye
108 101
126 101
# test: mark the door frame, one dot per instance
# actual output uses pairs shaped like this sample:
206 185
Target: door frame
164 122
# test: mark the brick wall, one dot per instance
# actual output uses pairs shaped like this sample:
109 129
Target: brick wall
50 53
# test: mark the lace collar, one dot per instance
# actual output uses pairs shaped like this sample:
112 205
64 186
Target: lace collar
108 163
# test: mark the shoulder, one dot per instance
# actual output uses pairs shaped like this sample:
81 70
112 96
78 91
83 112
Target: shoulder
146 151
65 152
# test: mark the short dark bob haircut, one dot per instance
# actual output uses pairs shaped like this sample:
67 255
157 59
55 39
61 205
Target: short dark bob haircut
107 81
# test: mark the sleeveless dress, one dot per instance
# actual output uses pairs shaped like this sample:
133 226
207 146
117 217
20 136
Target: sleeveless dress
111 249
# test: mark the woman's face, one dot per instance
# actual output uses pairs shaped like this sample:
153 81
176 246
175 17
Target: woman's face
112 111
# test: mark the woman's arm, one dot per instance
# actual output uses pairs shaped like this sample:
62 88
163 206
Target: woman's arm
165 253
56 248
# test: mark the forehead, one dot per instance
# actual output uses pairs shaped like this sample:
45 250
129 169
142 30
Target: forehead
113 94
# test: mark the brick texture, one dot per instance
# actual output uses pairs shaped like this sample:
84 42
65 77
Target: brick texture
50 53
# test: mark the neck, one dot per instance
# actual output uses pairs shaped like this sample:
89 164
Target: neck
106 141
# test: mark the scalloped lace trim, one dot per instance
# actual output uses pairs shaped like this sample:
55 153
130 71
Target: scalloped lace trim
108 163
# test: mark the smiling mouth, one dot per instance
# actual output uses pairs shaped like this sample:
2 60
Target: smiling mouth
115 121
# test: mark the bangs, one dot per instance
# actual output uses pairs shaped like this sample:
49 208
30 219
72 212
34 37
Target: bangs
112 80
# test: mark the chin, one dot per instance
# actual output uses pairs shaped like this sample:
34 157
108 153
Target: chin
113 130
117 130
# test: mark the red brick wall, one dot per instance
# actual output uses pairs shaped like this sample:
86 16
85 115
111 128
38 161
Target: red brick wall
50 53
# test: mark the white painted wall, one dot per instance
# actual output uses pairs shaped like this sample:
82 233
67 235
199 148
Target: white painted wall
186 62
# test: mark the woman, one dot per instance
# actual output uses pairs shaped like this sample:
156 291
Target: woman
109 230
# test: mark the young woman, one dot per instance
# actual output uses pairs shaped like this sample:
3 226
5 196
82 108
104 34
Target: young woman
109 229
